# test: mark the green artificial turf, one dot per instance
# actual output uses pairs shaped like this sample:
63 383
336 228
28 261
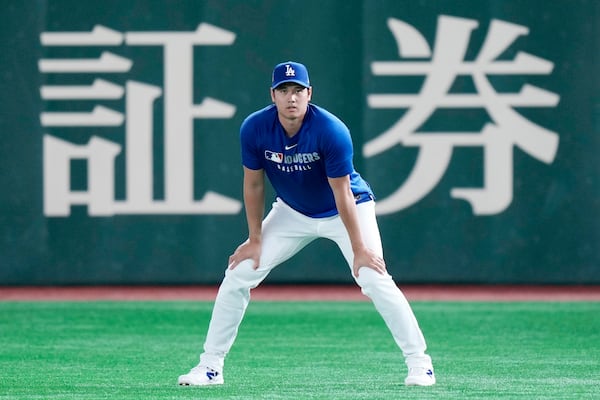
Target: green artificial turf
295 350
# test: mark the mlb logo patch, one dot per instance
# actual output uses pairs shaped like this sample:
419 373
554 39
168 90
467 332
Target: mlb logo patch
275 157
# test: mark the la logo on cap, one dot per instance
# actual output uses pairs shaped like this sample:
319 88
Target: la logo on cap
289 71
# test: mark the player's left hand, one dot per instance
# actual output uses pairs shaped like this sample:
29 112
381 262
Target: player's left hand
366 257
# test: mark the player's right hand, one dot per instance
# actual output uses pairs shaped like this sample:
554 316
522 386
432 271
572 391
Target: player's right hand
246 251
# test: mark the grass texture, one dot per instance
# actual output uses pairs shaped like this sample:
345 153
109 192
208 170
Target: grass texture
298 350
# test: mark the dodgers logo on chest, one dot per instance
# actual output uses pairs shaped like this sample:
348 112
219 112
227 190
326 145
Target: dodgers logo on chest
292 162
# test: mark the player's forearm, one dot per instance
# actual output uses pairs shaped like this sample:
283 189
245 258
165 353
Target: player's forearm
254 200
346 206
254 205
349 216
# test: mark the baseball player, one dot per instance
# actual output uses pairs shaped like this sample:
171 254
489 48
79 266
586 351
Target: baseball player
306 153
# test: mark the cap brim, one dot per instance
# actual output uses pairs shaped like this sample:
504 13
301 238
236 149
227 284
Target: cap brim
290 81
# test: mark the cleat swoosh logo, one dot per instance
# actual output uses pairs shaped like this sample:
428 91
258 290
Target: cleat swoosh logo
211 375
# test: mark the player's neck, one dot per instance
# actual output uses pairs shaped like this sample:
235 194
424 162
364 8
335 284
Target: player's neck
291 126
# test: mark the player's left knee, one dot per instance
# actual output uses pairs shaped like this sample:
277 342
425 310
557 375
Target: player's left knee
369 278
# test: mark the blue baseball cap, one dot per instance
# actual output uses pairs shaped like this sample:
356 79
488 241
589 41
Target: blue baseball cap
290 72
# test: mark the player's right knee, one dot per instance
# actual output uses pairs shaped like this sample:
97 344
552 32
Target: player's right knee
244 275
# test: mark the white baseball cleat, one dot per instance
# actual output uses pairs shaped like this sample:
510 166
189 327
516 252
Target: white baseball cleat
201 376
420 376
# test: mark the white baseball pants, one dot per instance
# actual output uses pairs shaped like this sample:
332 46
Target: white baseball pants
284 233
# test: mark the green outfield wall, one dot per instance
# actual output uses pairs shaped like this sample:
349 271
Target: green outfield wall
477 123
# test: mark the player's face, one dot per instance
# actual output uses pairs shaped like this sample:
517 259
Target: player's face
291 100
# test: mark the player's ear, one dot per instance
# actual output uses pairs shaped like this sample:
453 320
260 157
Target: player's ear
273 95
309 92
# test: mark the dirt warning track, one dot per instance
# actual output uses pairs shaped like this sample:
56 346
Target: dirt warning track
302 293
